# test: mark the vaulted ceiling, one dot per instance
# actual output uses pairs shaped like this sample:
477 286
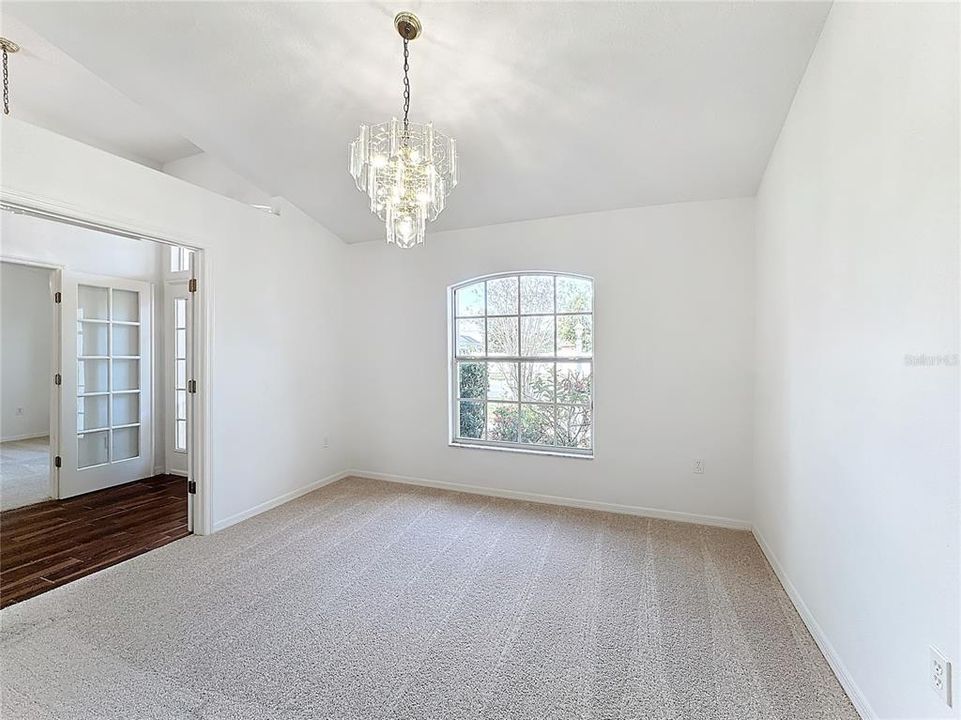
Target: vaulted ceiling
557 108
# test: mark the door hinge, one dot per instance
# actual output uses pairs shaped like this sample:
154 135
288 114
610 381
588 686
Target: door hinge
192 285
57 380
57 462
192 487
192 386
57 297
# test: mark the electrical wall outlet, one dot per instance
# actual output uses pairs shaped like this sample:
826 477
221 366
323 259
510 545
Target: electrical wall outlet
19 411
940 672
326 442
698 467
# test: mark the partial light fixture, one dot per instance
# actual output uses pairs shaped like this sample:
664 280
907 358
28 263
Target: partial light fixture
7 47
407 169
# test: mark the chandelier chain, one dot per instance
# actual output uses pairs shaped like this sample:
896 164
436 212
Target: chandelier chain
6 85
406 82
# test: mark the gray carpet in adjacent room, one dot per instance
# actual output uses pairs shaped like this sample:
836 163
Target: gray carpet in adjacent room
371 600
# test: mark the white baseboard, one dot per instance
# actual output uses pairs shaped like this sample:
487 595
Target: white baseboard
26 436
279 500
857 697
558 500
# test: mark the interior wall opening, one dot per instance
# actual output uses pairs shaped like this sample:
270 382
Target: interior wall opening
98 399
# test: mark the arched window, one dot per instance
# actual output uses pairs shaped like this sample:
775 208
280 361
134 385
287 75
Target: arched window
522 362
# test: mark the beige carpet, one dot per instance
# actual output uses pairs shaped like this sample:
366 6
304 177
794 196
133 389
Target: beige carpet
24 472
370 600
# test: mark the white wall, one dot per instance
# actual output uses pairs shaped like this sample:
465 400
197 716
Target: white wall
203 170
78 249
674 344
26 332
856 492
276 291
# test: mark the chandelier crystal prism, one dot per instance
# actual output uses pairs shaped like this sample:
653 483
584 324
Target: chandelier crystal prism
407 169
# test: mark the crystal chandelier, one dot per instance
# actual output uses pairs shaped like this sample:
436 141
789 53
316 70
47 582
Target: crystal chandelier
407 169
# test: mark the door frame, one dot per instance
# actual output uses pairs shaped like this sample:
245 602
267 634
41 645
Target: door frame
56 285
199 456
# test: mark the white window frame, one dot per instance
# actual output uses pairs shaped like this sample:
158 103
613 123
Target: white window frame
454 359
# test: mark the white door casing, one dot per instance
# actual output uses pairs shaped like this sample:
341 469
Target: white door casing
107 391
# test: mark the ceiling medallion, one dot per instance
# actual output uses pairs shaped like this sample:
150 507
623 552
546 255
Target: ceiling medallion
407 169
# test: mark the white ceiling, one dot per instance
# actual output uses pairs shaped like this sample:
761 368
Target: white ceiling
50 89
557 108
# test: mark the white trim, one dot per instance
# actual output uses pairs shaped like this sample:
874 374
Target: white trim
521 448
675 515
279 500
26 436
837 665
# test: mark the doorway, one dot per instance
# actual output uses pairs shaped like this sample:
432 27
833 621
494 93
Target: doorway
121 387
26 358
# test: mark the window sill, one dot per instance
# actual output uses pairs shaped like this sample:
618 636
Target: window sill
521 450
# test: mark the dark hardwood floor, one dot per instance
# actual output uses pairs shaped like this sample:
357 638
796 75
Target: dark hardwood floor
51 543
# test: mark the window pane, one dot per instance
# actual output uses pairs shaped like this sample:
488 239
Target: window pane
126 443
502 421
181 435
573 427
126 409
180 405
502 296
472 380
574 383
537 336
537 294
92 449
126 375
537 424
126 340
470 299
92 303
574 295
126 305
92 413
537 382
181 379
471 421
92 339
470 337
574 335
180 312
502 381
502 336
180 344
91 376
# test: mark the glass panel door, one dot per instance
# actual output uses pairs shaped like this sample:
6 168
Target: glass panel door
106 383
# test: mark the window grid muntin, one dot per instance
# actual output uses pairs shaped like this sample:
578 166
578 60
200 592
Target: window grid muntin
553 360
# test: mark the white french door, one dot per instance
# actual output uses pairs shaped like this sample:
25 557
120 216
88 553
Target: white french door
106 394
